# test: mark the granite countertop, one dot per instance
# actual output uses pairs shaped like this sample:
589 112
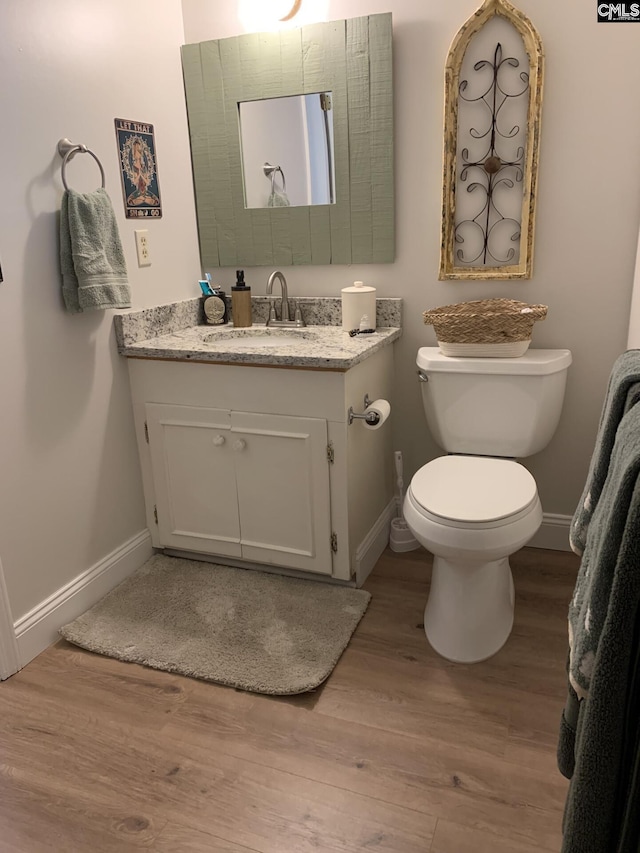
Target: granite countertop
176 332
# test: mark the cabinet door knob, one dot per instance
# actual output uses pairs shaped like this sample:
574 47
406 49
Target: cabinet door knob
239 444
218 440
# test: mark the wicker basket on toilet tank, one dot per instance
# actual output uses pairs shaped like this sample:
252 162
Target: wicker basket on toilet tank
497 328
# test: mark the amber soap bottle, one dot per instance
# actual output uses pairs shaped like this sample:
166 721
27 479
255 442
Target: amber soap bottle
241 302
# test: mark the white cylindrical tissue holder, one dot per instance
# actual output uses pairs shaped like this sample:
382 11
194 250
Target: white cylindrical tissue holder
356 302
382 408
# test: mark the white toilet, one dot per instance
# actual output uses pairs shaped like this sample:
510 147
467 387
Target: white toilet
474 508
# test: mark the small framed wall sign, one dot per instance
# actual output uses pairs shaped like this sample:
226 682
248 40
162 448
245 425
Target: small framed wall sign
137 152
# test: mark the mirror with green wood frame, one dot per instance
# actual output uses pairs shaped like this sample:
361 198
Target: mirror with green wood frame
348 61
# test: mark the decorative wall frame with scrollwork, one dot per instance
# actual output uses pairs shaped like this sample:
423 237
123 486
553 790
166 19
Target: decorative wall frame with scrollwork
516 264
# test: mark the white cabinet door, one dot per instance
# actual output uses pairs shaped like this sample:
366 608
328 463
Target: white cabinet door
282 477
194 478
240 484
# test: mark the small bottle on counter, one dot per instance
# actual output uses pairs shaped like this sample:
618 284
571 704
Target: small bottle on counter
241 302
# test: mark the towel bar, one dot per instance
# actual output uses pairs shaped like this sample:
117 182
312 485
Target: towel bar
67 150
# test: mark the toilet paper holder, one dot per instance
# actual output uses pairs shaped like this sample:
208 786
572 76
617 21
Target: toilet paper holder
371 418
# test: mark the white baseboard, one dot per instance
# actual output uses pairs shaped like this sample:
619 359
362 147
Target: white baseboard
38 629
370 549
553 533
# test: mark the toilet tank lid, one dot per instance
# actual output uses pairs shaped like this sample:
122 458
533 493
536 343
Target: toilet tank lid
535 362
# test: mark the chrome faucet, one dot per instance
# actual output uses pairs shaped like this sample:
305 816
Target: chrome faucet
285 315
284 309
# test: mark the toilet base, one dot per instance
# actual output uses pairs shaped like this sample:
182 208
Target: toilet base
469 613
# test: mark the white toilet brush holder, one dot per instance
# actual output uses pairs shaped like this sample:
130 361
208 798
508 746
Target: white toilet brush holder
400 537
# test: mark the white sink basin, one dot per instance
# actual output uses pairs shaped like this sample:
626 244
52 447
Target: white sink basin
242 339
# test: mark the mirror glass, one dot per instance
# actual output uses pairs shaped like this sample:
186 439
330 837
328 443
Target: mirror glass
287 151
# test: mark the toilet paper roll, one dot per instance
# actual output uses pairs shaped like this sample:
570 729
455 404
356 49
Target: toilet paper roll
382 408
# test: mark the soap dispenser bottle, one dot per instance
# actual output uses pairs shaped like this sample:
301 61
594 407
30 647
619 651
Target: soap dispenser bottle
241 302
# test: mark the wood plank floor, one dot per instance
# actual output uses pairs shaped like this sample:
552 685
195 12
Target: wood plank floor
399 751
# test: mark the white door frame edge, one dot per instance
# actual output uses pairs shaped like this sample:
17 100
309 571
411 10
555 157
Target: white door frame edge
9 660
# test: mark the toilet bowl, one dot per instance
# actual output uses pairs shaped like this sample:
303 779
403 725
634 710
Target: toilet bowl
471 513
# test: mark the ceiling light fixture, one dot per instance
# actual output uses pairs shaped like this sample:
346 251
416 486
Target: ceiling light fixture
293 11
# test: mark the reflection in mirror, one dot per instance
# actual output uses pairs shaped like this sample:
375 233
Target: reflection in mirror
287 151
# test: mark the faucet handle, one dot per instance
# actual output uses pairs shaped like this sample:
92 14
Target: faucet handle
298 319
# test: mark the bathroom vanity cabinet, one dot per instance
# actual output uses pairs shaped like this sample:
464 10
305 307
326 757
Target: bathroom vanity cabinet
258 465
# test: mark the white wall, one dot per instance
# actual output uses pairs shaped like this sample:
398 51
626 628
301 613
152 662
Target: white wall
587 218
70 489
633 340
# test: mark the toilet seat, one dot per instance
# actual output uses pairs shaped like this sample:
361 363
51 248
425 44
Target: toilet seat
476 492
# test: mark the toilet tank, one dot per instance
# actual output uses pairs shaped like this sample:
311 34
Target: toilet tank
493 406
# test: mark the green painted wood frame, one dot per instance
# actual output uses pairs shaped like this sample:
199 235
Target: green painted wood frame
350 58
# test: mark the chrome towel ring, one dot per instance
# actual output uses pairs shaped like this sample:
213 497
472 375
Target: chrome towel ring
67 150
270 172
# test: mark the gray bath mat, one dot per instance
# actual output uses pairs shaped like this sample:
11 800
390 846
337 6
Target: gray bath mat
257 631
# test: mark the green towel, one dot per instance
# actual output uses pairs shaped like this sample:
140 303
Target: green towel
569 725
591 602
278 198
94 272
601 812
627 819
620 397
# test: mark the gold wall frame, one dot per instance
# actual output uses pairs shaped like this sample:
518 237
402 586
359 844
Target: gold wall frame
533 47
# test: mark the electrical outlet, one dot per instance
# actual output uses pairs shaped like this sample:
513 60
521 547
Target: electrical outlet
142 248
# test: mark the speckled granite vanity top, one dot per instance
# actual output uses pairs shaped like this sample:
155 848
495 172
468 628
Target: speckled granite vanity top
177 332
